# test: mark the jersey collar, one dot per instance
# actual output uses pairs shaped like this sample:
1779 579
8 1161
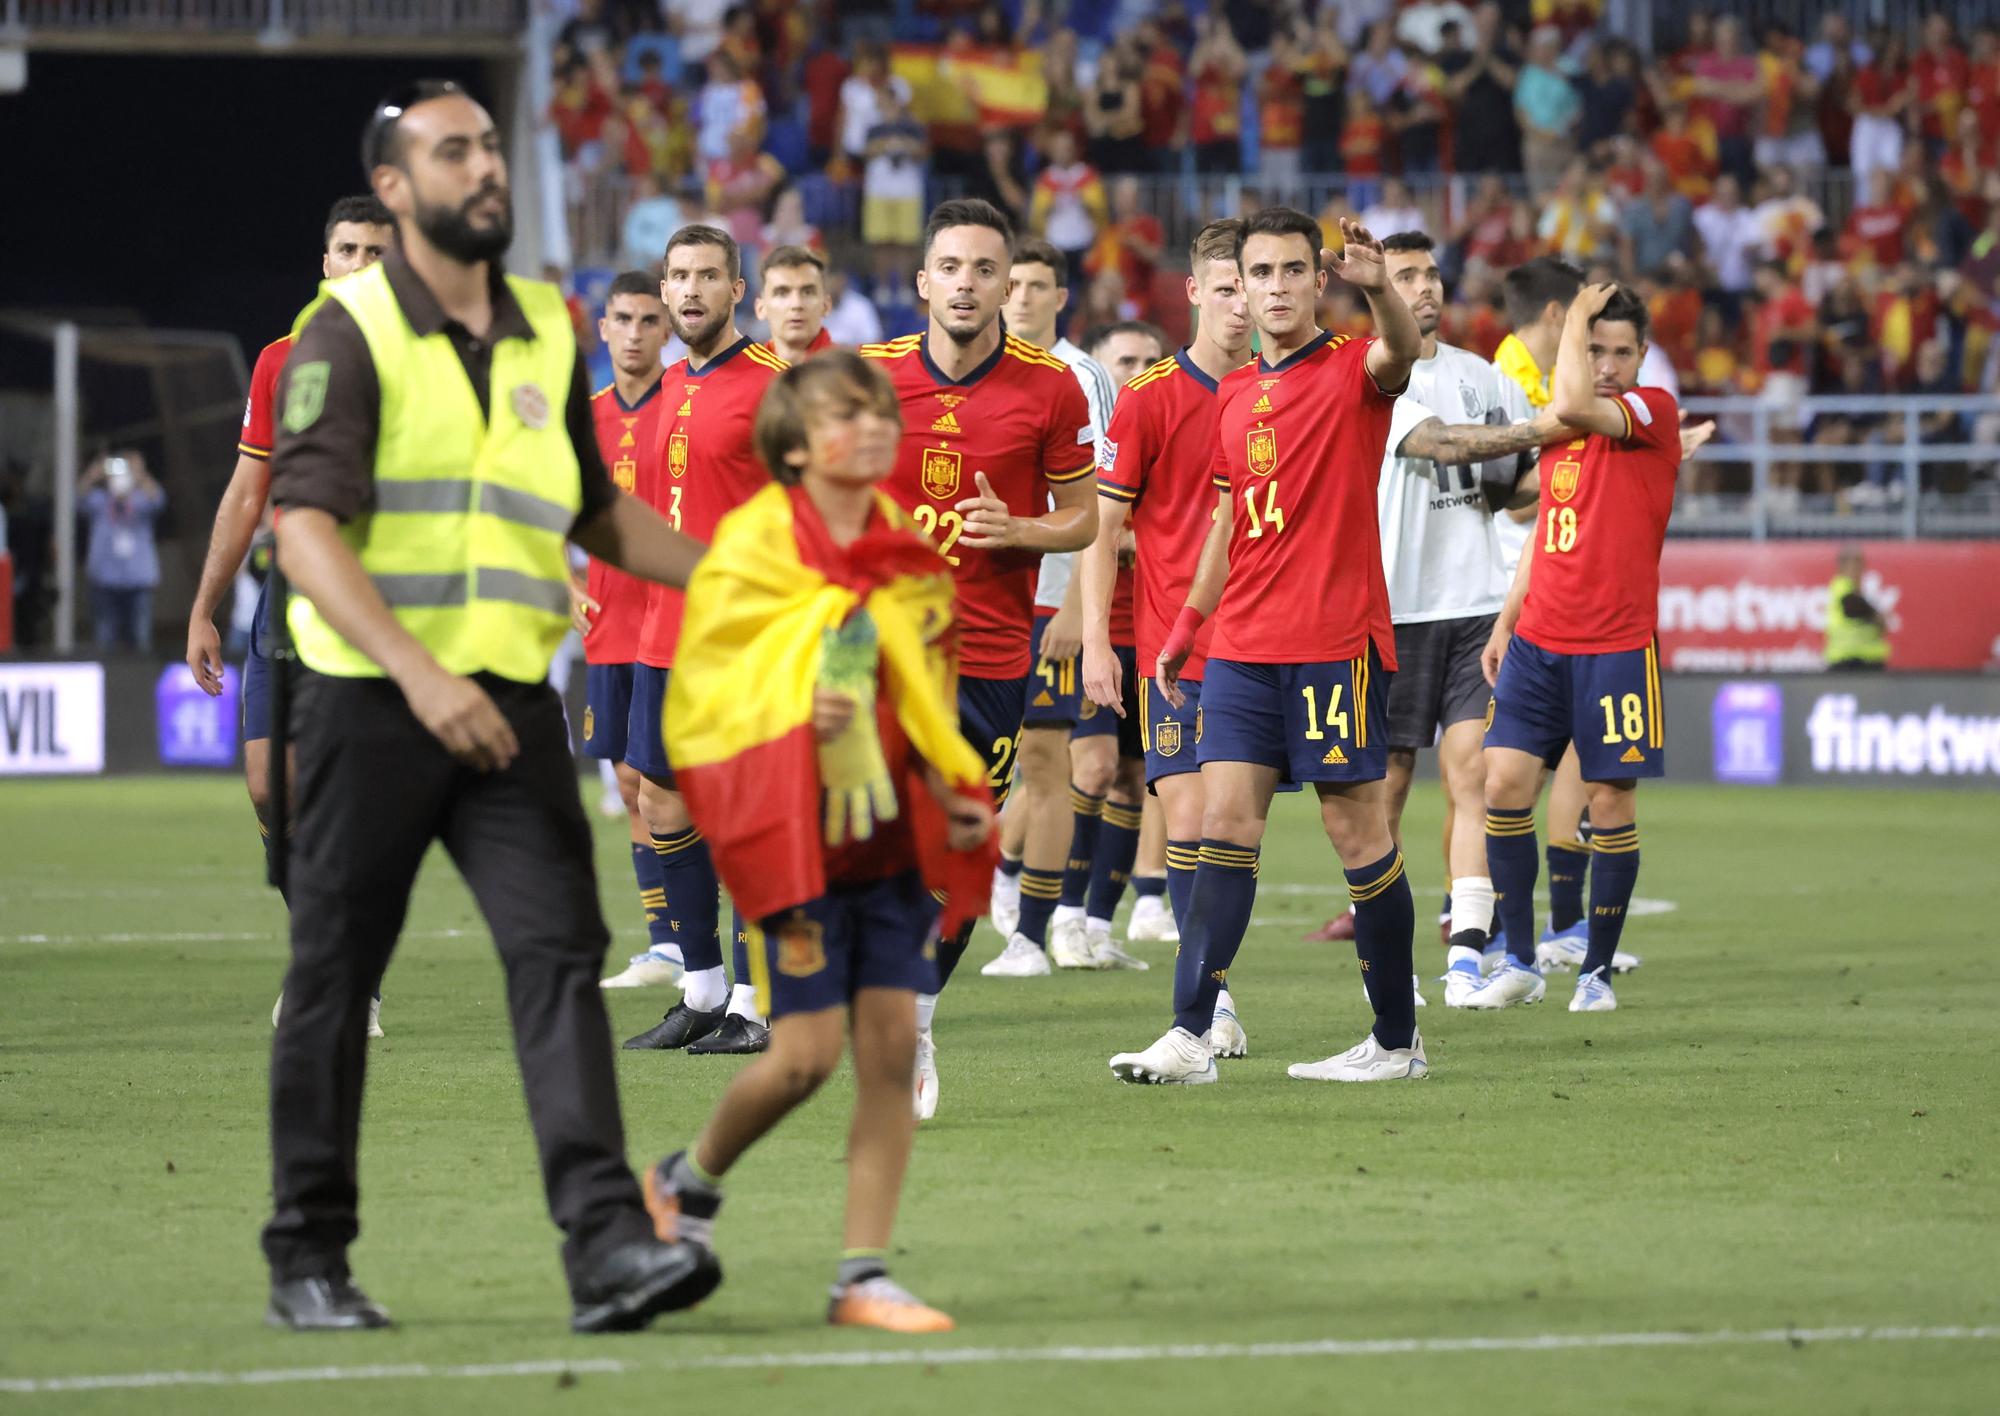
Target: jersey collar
1193 370
743 342
644 398
986 366
1312 347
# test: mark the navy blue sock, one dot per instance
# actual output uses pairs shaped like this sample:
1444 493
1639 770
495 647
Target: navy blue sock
652 893
950 951
1010 867
687 874
1385 926
1039 892
1569 864
739 950
264 832
1111 867
1218 916
1182 857
1511 861
1146 885
1614 872
1086 816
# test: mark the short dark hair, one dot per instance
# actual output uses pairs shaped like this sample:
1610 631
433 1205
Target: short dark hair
381 142
1281 221
1096 335
1529 288
837 379
365 209
970 211
1033 250
632 282
791 257
698 235
1625 305
1218 241
1407 241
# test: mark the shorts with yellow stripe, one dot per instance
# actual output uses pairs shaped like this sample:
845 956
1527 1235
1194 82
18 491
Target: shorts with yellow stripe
870 934
1324 722
1609 705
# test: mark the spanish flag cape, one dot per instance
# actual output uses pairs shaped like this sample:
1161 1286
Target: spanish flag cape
740 699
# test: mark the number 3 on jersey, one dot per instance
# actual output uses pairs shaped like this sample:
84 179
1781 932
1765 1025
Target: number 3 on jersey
1269 516
932 521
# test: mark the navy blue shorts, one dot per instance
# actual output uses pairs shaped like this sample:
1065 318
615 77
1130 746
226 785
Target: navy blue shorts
1055 690
989 715
1609 705
1324 722
1169 735
820 954
607 710
257 670
1093 721
646 725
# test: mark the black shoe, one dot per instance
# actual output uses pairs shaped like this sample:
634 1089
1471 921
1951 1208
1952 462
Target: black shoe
323 1305
681 1026
637 1282
737 1035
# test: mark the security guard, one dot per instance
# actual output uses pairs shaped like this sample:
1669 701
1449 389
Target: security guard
1856 638
434 450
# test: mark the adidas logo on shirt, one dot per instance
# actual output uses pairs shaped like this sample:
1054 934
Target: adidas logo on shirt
1334 757
1262 405
946 423
1632 754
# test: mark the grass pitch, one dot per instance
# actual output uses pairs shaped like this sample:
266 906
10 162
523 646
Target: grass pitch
1789 1123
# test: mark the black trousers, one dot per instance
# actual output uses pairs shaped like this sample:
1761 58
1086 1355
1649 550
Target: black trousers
374 790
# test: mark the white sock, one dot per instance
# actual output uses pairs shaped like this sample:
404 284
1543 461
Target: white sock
1459 954
1224 1003
743 1003
926 1010
607 773
1064 914
1472 903
705 990
1093 925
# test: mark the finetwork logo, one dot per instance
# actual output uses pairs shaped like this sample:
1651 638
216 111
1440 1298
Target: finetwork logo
1936 743
1749 607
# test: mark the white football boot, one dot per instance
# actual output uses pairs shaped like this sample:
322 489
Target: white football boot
1178 1059
1512 984
1022 958
1152 922
927 1078
1416 991
1005 910
1367 1061
1462 979
647 970
1108 953
1069 945
1593 994
1225 1036
375 1017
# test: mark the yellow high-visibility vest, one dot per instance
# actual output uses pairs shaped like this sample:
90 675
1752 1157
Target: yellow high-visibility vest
1848 637
465 540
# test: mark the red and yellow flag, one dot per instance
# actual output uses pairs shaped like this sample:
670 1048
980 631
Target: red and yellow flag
740 699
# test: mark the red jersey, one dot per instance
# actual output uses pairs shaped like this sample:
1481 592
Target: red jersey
820 341
259 433
1020 418
1124 630
1942 81
704 466
1159 458
1595 585
628 437
1299 449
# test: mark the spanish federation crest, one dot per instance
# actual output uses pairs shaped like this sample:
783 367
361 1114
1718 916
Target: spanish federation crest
801 946
677 454
1167 739
1563 481
1261 447
941 472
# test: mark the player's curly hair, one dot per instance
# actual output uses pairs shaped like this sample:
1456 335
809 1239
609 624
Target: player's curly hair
1625 305
836 382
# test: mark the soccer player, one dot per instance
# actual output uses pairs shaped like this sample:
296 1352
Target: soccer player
815 665
794 304
1443 473
1107 759
610 609
358 230
706 467
1049 810
1572 658
1157 474
994 430
1294 688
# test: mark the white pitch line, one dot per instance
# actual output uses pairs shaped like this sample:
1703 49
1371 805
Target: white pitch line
1001 1356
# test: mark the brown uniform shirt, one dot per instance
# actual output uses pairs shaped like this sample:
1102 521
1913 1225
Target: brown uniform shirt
330 464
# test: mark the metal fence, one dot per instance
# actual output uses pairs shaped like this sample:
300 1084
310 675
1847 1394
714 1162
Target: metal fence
1886 480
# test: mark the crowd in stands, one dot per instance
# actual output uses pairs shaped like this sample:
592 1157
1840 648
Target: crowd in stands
1811 212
